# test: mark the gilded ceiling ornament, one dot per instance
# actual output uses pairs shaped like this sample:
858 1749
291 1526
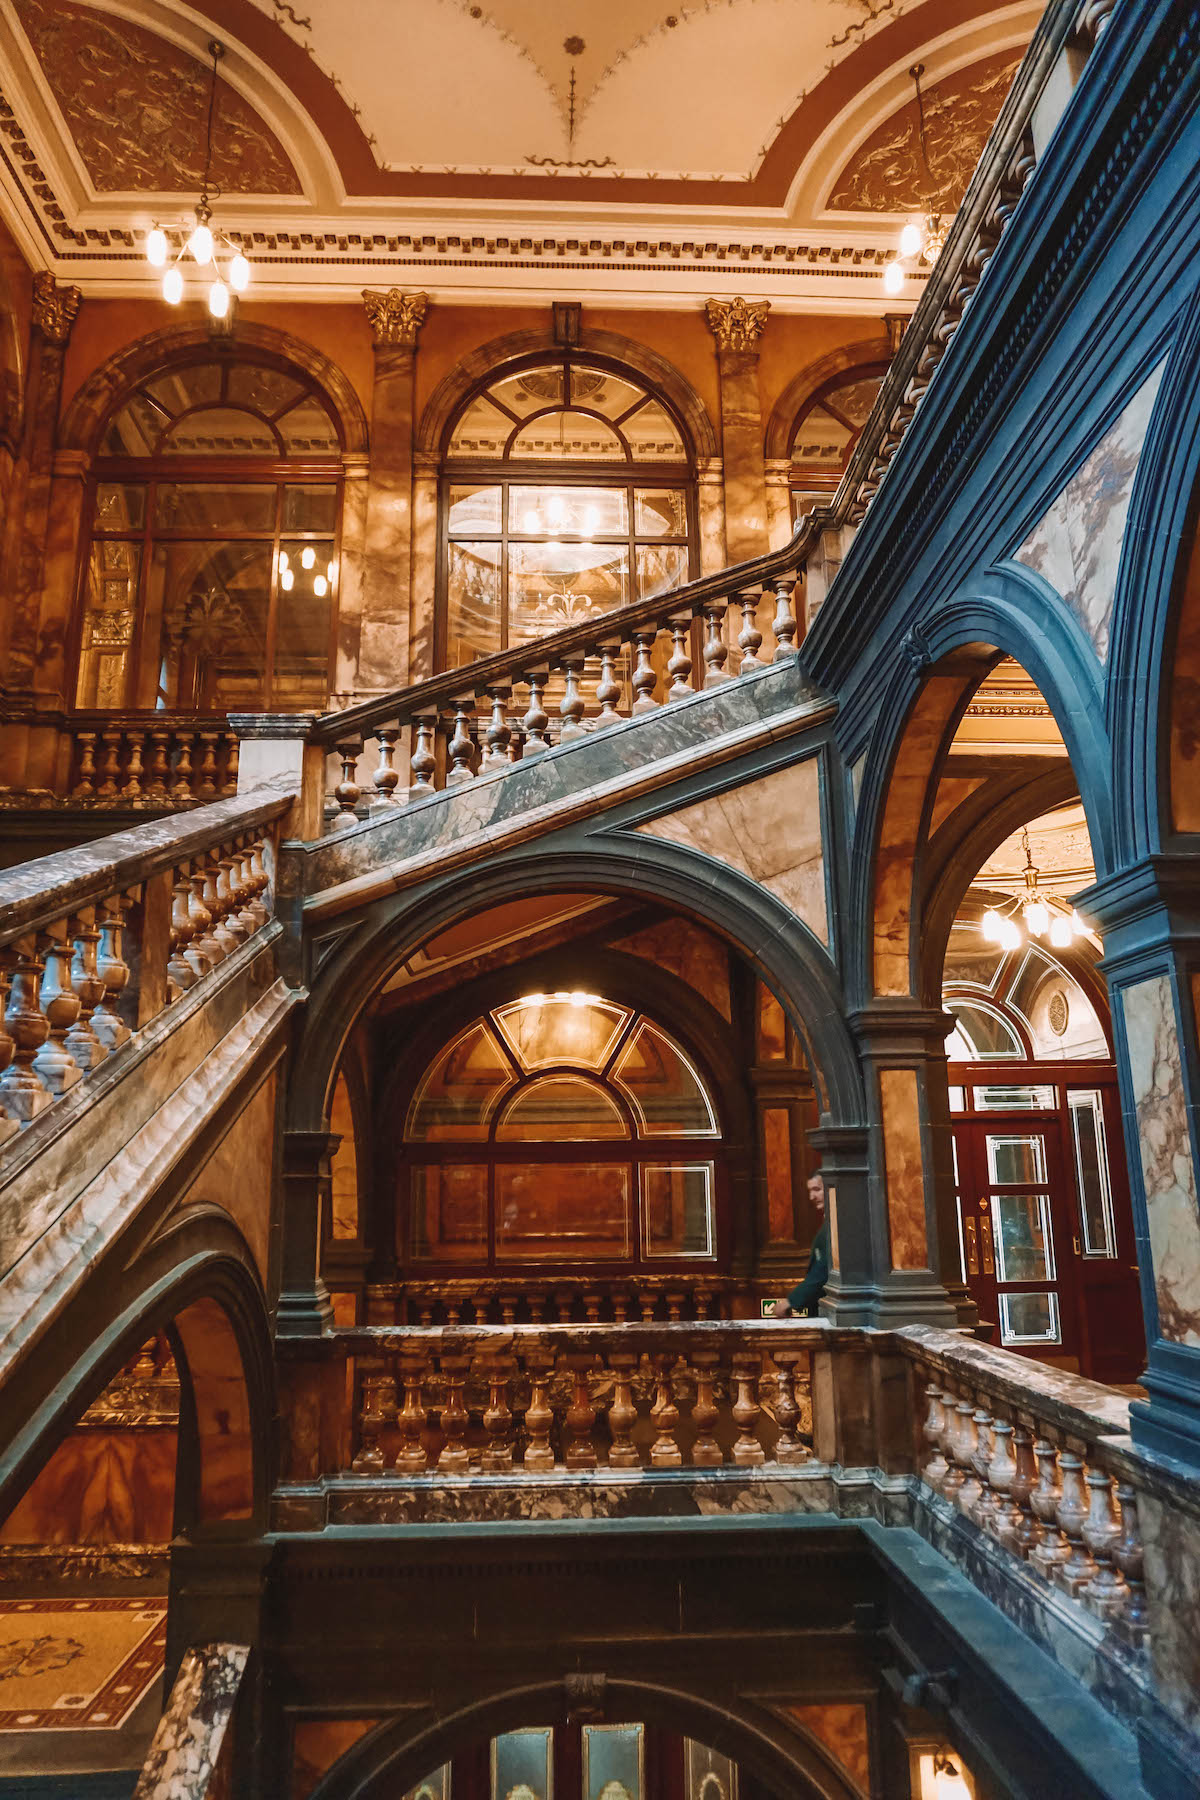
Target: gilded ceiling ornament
395 318
737 324
54 307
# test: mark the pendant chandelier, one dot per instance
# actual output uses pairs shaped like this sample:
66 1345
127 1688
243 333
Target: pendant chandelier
922 242
218 260
1034 914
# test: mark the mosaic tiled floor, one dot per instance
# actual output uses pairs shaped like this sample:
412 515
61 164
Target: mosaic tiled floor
72 1665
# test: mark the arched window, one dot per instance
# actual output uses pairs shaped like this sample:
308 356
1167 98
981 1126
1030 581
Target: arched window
566 491
826 430
211 579
565 1129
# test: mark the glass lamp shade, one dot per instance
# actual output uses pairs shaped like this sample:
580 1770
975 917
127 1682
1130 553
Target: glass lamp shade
156 247
218 300
1061 934
308 557
1037 917
172 286
320 586
286 578
201 244
1010 934
990 926
239 274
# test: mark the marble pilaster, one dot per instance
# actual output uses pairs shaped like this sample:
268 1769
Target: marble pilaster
777 472
423 586
737 325
710 514
303 1308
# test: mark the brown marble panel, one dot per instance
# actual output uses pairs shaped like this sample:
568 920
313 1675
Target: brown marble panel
772 1027
222 1406
777 1165
899 1107
100 1487
1171 1544
908 785
741 447
1165 1147
688 951
239 1173
843 1732
316 1746
343 1187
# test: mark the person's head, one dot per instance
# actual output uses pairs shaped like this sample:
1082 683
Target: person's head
816 1193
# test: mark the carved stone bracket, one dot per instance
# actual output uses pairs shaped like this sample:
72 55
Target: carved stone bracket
737 324
395 318
54 307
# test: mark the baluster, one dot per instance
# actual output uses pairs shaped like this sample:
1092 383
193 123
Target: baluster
983 1506
159 762
647 1300
1106 1594
497 1456
212 901
675 1300
571 706
461 747
788 1448
679 668
85 788
608 688
1129 1558
423 761
82 1041
411 1458
245 890
206 780
706 1452
201 918
8 1126
747 1451
54 1065
347 793
455 1458
664 1451
935 1419
955 1473
498 736
580 1418
23 1094
622 1411
1051 1548
113 970
371 1420
262 882
1004 1519
539 1417
110 786
181 791
620 1306
644 678
387 775
716 650
1027 1531
591 1306
537 719
232 757
1078 1569
749 637
231 923
564 1300
133 768
968 1443
181 965
508 1309
784 622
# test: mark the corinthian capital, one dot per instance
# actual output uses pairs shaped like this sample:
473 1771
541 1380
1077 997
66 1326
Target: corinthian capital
395 318
54 307
737 324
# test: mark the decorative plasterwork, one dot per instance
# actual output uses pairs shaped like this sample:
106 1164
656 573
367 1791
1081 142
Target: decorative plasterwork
395 318
54 307
737 324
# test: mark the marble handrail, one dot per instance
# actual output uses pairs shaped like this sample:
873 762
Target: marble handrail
191 1754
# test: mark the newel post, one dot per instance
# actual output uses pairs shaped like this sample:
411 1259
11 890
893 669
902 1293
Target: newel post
277 749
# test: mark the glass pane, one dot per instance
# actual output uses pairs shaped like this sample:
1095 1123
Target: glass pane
855 400
313 507
220 431
120 506
1029 1319
183 388
586 512
1015 1099
204 647
569 1212
136 429
533 391
308 430
558 1108
1024 1248
459 1094
561 1028
568 437
958 1099
604 393
612 1762
1091 1172
987 1033
473 602
262 390
552 585
215 506
660 567
302 631
677 1209
481 432
448 1212
1016 1159
822 441
660 512
433 1787
109 616
652 436
473 509
667 1095
521 1762
708 1775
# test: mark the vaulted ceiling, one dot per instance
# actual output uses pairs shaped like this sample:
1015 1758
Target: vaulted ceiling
605 147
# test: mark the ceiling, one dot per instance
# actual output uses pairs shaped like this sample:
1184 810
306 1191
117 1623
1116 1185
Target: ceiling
609 148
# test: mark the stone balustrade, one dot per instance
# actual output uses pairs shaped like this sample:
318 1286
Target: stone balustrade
505 1300
151 761
95 942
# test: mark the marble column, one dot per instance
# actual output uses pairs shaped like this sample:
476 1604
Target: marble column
424 567
1149 918
737 325
383 658
303 1309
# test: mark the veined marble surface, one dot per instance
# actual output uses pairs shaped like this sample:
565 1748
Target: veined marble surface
187 1743
1077 545
1168 1171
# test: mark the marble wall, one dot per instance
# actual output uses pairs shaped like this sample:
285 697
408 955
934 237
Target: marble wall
904 1172
1077 545
1167 1160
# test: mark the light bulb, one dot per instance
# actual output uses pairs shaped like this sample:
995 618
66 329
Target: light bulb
218 299
948 1784
201 244
286 579
284 559
990 926
320 586
308 557
911 240
156 247
1060 932
173 286
1010 934
893 278
1037 917
239 274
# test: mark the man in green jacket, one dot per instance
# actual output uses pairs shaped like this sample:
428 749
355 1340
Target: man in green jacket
803 1298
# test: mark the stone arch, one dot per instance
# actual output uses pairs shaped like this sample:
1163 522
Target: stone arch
814 375
395 1757
493 359
1013 613
90 407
